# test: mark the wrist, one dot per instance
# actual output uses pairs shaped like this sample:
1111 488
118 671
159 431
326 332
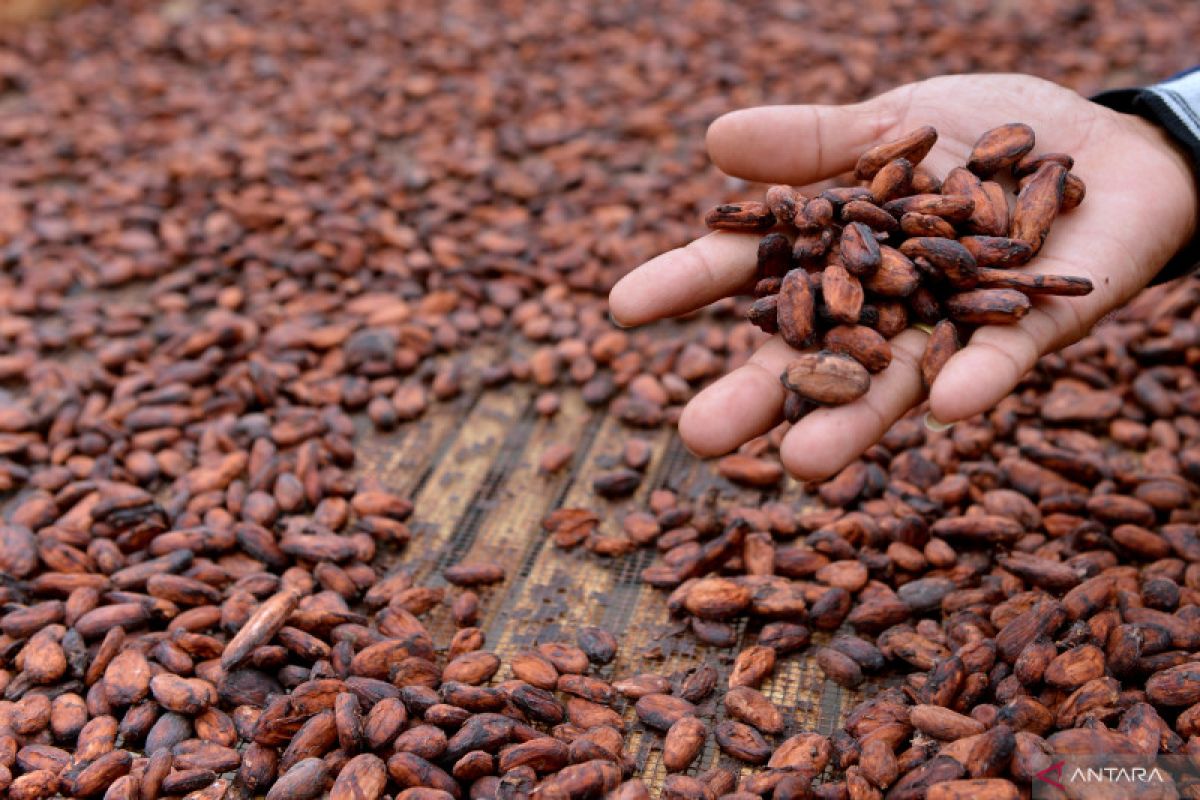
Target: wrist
1181 173
1165 116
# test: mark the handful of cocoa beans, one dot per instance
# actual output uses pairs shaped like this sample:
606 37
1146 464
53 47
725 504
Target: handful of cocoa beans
841 273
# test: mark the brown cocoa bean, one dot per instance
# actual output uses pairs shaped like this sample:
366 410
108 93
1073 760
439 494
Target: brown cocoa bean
952 261
753 708
1038 204
896 275
913 147
891 180
1000 148
988 307
683 742
864 345
661 711
750 471
826 378
842 294
742 742
795 309
860 253
782 201
953 208
745 217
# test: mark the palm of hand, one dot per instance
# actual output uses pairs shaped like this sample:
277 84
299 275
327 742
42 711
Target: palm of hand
1139 210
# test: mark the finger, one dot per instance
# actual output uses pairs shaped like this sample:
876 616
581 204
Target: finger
801 144
827 439
745 403
686 278
993 362
997 357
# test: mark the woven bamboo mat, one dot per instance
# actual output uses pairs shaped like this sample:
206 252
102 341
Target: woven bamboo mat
470 466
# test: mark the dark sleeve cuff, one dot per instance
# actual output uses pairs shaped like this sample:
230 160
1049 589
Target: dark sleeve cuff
1174 105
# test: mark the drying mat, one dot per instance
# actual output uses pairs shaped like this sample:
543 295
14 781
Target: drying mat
470 467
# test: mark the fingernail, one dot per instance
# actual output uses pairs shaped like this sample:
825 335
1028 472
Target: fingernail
936 425
613 320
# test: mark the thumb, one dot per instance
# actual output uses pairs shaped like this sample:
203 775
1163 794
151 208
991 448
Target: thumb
802 144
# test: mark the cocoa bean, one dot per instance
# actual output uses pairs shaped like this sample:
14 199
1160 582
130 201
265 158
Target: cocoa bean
782 201
941 346
912 147
861 343
752 666
896 275
914 223
1038 204
661 711
870 215
942 723
265 622
1000 148
988 306
742 742
795 309
827 378
812 245
683 742
953 208
697 684
744 217
751 471
753 708
1176 686
1062 285
638 686
997 251
839 668
860 253
364 776
842 293
473 574
816 215
892 180
716 598
952 261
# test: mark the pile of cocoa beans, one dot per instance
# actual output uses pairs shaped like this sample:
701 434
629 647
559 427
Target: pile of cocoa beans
229 232
1033 574
854 266
370 714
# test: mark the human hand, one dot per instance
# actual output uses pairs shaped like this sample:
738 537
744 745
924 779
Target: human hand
1140 209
